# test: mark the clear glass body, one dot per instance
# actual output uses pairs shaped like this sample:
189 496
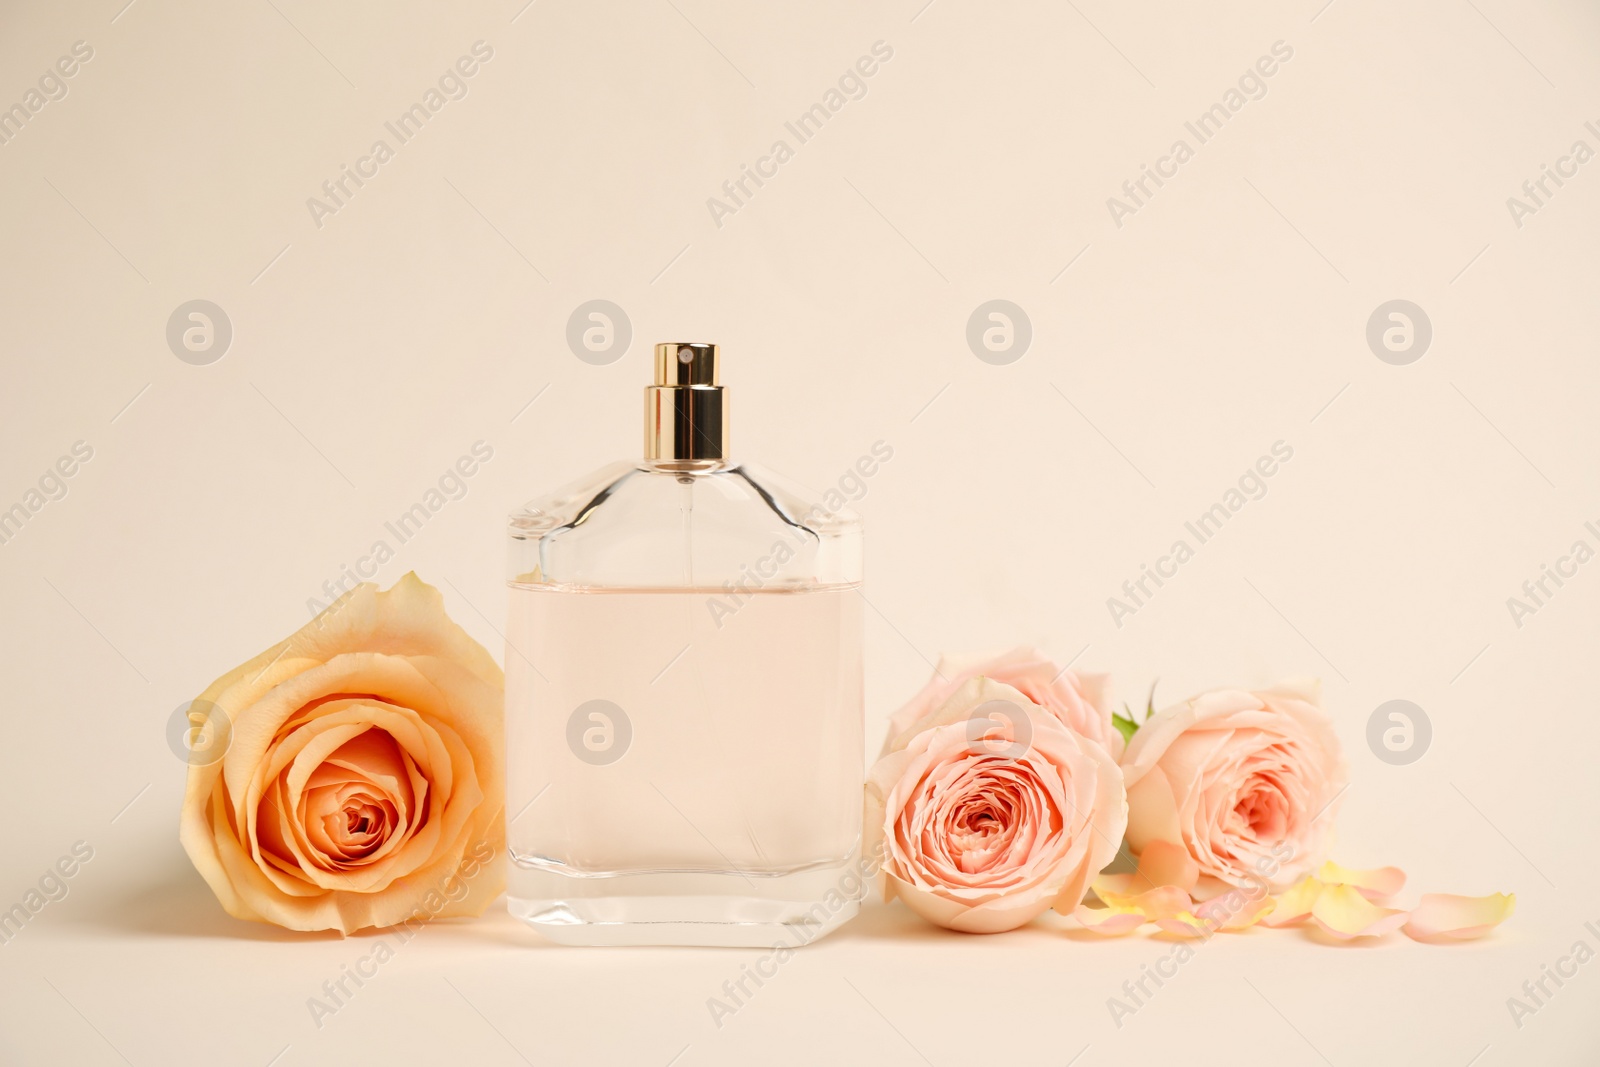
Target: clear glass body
683 710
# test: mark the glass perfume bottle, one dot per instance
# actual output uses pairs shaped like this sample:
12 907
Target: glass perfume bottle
684 693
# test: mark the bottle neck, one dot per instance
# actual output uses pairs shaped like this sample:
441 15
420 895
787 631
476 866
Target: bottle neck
685 427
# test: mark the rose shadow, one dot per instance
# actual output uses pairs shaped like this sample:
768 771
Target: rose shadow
877 921
894 921
176 904
1317 936
180 904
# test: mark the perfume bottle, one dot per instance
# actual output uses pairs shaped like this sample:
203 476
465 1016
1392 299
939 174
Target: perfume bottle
684 693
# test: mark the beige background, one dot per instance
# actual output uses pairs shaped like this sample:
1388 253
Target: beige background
1168 354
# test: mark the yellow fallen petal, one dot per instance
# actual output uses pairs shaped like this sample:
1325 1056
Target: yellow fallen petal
1111 922
1117 885
1225 914
1342 911
1443 917
1294 905
1186 924
1231 911
1376 884
1154 904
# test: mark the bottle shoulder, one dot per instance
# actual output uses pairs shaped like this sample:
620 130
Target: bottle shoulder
635 524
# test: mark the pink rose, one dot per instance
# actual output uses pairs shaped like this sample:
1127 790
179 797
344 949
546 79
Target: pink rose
1245 782
1078 700
992 812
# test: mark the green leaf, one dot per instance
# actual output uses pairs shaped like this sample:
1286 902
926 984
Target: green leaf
1125 726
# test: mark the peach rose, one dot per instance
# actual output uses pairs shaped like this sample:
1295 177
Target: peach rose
1078 700
363 782
992 812
1245 782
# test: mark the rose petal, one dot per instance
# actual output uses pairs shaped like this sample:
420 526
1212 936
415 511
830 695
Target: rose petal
1186 924
1234 910
1111 922
1376 884
379 654
1079 701
1246 782
1343 912
1154 904
1249 915
1118 884
980 840
1443 917
1295 905
1164 863
1306 689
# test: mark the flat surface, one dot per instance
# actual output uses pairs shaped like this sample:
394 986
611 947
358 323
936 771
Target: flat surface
1174 340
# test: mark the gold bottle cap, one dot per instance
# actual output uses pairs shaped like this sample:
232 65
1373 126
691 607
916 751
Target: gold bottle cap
685 421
